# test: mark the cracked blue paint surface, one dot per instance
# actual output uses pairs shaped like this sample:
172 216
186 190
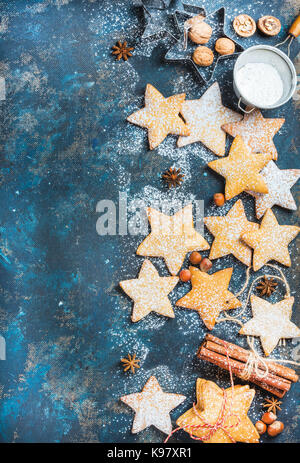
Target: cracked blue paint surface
65 145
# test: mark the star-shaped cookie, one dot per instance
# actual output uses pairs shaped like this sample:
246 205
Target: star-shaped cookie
270 241
160 116
241 169
150 292
172 237
152 406
256 131
279 184
204 118
227 232
209 295
227 409
271 322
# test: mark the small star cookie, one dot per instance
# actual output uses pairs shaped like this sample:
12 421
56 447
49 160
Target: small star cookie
171 237
256 131
204 118
209 295
241 169
152 406
270 241
227 232
220 415
271 322
279 184
150 292
160 116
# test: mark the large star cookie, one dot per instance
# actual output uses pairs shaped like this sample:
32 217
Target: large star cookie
150 292
204 118
171 237
279 184
160 116
270 241
209 295
220 415
152 406
256 131
227 232
271 322
241 169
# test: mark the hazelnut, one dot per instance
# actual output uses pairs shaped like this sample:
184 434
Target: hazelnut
195 258
244 25
200 32
269 25
203 56
275 428
185 275
224 46
268 417
219 199
205 265
261 427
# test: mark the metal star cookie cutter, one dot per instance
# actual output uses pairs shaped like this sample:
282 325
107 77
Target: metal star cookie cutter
178 53
159 17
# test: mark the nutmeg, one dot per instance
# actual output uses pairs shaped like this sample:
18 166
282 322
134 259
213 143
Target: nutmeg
203 56
269 25
224 46
244 25
275 428
200 32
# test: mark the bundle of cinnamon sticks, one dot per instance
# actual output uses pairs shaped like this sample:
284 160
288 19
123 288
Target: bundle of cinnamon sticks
277 381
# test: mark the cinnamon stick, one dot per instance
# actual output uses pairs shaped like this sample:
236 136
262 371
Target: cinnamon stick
238 367
241 354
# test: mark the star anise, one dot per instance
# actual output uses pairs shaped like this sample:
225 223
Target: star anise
272 405
130 363
173 177
121 50
266 286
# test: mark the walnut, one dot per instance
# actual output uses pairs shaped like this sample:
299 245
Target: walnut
244 25
203 56
199 31
224 46
269 25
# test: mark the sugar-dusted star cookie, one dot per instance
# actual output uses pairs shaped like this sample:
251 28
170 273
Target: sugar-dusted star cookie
152 406
172 237
227 232
160 116
241 169
150 292
209 295
271 322
270 241
279 184
220 415
204 118
256 131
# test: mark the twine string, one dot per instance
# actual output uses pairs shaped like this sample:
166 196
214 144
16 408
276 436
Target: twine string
221 420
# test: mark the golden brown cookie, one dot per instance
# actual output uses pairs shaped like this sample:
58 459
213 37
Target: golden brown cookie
271 322
150 292
172 237
256 131
220 416
271 241
160 116
241 168
209 295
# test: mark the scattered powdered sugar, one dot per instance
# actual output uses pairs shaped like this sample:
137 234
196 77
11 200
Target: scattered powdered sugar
259 83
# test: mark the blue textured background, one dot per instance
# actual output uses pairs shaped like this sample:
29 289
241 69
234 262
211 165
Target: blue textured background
65 145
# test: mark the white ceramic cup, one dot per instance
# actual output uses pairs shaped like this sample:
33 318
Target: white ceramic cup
274 57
